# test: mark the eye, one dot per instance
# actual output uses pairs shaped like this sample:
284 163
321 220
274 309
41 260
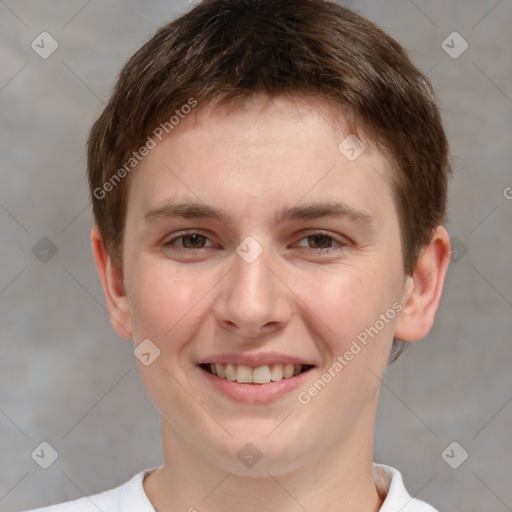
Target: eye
189 241
324 243
318 242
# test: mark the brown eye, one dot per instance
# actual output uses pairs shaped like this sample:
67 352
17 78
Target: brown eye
188 241
323 241
194 241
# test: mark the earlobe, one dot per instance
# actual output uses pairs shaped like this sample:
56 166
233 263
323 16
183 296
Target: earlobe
113 287
422 291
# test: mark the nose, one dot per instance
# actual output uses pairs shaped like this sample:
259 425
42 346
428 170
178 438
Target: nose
253 301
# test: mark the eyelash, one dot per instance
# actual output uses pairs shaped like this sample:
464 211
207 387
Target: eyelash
326 250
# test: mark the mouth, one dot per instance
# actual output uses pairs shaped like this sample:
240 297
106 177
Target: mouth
259 375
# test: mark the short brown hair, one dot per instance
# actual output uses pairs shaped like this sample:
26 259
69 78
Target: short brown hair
231 50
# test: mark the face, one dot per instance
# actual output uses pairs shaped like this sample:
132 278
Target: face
256 258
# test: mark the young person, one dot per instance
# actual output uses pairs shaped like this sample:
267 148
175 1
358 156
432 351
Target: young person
268 183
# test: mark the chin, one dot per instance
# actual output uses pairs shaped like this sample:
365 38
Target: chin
255 453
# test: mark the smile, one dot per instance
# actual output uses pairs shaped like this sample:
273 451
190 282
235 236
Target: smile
263 374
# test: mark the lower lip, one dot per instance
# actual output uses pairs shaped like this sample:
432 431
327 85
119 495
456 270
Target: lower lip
255 393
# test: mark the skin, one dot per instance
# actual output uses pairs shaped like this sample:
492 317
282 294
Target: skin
252 161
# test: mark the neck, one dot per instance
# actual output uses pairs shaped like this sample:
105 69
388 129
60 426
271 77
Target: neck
343 476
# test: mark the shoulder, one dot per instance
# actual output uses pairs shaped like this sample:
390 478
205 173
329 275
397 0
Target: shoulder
128 497
397 497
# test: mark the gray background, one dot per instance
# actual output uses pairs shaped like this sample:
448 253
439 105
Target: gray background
66 378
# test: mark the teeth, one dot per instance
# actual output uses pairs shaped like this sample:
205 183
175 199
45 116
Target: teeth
230 372
277 372
260 375
219 370
288 371
243 374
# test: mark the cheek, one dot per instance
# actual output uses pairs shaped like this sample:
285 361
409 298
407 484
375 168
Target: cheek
357 306
164 301
350 300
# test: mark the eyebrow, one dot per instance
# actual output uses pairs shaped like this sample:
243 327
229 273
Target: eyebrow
189 210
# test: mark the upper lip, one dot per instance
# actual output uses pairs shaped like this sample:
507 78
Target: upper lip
254 360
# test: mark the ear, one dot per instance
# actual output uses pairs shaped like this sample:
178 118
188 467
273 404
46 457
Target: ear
422 290
113 287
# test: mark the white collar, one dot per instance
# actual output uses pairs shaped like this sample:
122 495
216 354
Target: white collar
388 480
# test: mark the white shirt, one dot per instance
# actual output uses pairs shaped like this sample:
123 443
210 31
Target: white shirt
131 497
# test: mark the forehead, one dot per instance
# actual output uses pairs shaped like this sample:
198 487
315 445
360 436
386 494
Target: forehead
263 153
